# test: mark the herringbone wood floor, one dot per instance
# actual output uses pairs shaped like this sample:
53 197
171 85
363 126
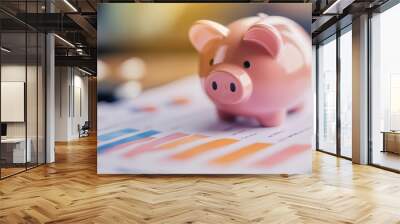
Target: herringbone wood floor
70 191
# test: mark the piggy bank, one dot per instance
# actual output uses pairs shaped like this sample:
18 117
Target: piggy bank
256 66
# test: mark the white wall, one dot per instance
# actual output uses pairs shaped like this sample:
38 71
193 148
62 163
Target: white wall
62 82
81 82
71 94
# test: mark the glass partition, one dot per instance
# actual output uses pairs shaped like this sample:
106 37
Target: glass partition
327 96
14 153
31 97
346 93
385 89
32 86
22 101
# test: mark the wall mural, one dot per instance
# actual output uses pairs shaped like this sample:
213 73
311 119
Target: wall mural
197 89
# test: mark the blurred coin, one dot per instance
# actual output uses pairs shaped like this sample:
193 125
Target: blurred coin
132 68
102 70
128 90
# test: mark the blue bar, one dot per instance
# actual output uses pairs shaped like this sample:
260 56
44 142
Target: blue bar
145 134
111 135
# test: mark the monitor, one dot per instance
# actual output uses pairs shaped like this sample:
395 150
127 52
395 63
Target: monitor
3 129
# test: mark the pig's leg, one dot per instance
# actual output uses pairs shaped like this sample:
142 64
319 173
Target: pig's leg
297 108
272 119
225 116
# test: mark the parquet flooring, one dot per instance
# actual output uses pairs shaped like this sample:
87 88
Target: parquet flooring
10 171
70 191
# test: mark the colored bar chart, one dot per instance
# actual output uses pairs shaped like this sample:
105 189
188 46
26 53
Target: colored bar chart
173 102
152 145
240 154
175 129
179 101
283 155
128 144
114 134
183 141
203 148
147 142
108 146
146 109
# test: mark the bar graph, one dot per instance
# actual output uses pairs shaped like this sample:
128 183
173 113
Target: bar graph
128 144
212 145
150 108
114 134
164 143
175 130
144 109
108 146
153 144
141 143
283 155
240 153
179 101
182 141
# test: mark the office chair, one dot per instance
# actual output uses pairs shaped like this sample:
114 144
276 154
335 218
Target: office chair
84 130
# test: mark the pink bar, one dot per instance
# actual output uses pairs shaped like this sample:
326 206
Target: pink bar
153 144
118 147
283 155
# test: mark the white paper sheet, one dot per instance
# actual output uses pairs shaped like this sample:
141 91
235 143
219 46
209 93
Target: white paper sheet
181 109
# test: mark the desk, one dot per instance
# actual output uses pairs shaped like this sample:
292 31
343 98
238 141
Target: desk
391 141
13 150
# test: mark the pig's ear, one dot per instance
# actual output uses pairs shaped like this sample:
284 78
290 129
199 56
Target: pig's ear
266 36
203 31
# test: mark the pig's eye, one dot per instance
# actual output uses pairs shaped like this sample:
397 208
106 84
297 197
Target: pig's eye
246 64
211 61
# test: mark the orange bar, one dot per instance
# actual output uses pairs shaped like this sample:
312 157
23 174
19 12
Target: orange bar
180 101
240 154
182 141
204 148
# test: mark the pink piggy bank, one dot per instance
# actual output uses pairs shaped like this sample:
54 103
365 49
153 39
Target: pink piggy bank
257 66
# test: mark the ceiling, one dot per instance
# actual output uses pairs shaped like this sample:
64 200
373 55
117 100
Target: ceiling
76 21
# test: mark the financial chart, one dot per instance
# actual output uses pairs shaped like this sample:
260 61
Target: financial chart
174 129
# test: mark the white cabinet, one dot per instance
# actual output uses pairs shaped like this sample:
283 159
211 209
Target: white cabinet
18 149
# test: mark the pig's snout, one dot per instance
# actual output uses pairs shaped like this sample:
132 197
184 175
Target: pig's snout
228 86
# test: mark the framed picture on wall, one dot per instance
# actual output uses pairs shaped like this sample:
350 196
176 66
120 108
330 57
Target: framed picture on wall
12 101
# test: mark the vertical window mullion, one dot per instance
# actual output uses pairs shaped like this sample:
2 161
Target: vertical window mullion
37 89
317 96
26 86
338 81
369 77
0 93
